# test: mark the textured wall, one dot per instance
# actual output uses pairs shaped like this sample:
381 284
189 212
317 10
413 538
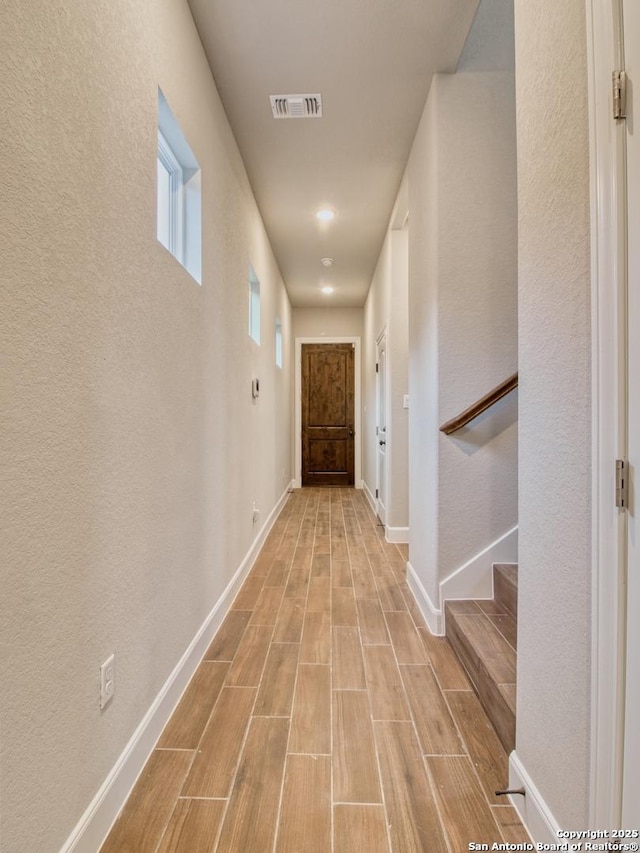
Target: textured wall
387 305
317 322
463 301
477 269
131 449
555 415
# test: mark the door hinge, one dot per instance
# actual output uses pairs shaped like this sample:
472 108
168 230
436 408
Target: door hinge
622 485
377 493
377 368
619 94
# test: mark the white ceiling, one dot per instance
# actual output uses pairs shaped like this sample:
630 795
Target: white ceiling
372 62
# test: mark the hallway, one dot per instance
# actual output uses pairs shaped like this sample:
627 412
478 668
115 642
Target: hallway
324 716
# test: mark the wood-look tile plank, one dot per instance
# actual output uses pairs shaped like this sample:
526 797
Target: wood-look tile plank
497 656
217 757
386 690
391 597
316 638
341 573
302 557
148 809
484 748
250 821
322 543
311 719
226 641
263 562
355 769
510 825
412 814
343 607
297 584
373 628
267 606
184 729
193 827
508 691
358 827
446 666
305 814
466 815
249 593
405 639
435 727
412 605
320 565
247 665
278 573
464 607
290 621
347 663
319 597
364 583
339 549
278 681
506 624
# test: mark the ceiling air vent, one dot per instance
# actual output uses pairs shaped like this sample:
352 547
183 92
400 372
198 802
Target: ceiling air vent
296 106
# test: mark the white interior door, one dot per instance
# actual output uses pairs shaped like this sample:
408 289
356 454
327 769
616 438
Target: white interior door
631 771
381 428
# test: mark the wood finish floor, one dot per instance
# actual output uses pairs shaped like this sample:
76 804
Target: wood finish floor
324 717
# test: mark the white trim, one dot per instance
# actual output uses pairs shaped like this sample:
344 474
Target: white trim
475 578
298 404
383 336
432 616
396 535
369 495
94 825
532 809
608 419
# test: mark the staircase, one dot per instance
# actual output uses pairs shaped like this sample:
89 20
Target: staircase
483 635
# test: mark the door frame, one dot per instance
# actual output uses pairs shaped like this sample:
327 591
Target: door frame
383 335
608 303
297 465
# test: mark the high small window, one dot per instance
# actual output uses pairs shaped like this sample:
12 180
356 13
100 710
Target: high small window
254 306
178 224
278 343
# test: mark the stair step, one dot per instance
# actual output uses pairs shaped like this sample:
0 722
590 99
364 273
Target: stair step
505 586
484 640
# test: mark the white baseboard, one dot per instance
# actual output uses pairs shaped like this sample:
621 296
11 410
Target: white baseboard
474 579
94 825
532 809
432 616
397 535
369 496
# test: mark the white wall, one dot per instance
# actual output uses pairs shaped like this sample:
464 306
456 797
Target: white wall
463 302
552 738
387 307
318 322
132 451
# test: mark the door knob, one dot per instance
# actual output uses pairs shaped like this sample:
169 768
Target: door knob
350 431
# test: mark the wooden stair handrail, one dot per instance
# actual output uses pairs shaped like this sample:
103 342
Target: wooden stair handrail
481 405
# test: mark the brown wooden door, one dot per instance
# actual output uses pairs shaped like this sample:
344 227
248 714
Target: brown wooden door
327 415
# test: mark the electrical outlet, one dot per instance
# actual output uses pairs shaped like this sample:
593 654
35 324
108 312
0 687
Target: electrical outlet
256 513
107 681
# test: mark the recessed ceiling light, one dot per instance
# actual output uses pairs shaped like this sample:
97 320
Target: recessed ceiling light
325 214
327 262
327 289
